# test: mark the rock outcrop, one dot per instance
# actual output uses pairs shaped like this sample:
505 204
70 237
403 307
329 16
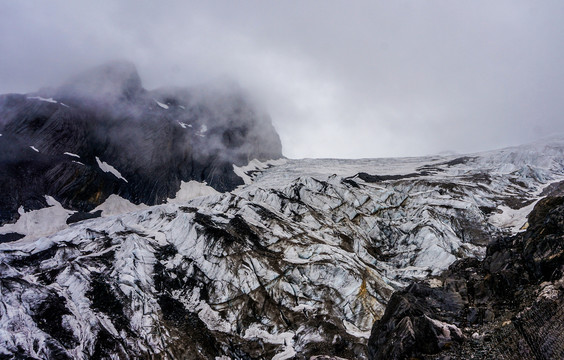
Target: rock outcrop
508 306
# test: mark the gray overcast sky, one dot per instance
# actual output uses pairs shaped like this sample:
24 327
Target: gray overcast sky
339 78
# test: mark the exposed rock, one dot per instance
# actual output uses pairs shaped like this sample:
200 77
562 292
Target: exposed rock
80 216
9 237
510 305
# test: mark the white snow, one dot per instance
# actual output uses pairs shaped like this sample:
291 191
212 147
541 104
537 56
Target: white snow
513 219
192 189
303 307
116 205
183 125
202 131
254 165
38 223
43 99
446 329
109 169
34 148
287 170
355 331
286 339
212 318
71 154
65 105
164 106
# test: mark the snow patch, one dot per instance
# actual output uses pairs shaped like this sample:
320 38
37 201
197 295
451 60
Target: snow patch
514 220
286 339
212 318
202 131
303 307
105 167
448 331
37 223
351 329
183 125
50 100
116 205
254 165
71 154
192 189
34 148
164 106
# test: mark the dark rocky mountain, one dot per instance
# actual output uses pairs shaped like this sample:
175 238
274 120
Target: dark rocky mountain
508 306
102 133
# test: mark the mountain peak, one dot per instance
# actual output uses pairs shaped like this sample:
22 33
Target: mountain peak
112 80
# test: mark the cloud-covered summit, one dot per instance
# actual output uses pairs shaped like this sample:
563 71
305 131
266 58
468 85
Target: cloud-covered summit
340 79
102 133
116 79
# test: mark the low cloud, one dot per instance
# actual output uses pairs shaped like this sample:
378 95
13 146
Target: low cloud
339 79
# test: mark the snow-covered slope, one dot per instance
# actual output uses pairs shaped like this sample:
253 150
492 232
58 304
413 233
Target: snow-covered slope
299 262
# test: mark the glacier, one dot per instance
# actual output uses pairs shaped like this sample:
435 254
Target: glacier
298 262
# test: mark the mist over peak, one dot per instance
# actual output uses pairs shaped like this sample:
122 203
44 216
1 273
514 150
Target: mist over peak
112 80
151 141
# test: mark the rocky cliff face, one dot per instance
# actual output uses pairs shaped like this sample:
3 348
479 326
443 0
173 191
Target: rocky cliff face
102 133
297 263
508 306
